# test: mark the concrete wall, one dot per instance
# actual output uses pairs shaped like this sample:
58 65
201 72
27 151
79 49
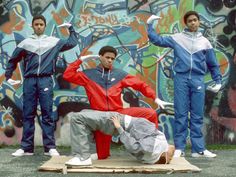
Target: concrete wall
120 23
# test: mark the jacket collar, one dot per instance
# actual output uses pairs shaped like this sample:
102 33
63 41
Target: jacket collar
34 36
101 68
192 34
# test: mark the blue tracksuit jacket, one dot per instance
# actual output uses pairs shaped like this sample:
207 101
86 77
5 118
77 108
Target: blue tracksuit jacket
193 53
39 54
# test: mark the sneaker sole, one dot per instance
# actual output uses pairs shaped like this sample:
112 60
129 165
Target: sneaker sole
202 156
47 154
25 154
181 155
67 164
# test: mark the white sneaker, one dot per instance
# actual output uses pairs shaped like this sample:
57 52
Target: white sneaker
76 161
52 152
21 152
94 156
205 153
178 153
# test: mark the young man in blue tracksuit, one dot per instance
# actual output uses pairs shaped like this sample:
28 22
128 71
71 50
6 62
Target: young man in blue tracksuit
39 53
193 57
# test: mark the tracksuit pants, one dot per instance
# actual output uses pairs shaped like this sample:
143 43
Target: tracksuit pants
38 89
189 99
82 126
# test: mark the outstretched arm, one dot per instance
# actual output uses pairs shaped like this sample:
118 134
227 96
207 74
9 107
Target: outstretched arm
155 38
146 90
139 85
71 42
72 73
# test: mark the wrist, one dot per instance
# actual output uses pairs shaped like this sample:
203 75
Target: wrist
71 29
120 130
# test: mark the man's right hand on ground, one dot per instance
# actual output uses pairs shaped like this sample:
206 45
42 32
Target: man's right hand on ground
13 82
152 18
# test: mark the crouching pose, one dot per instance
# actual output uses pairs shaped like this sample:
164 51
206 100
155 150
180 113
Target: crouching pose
139 136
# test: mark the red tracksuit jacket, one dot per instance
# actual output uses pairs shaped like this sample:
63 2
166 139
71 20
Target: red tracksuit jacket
104 87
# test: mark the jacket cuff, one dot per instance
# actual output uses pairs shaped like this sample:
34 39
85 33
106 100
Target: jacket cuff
7 77
218 82
120 130
71 29
150 28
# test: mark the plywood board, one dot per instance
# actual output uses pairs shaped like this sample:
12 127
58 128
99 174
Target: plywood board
119 164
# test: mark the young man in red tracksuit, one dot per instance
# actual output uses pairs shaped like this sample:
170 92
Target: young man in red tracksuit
104 84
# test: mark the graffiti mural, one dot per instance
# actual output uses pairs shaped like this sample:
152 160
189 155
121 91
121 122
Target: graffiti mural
120 23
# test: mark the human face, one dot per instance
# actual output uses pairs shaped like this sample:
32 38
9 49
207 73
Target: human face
192 23
38 27
107 59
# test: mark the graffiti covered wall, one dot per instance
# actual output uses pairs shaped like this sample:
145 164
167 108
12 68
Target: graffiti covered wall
120 23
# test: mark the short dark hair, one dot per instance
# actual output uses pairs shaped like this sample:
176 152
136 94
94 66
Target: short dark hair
36 17
187 14
107 48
